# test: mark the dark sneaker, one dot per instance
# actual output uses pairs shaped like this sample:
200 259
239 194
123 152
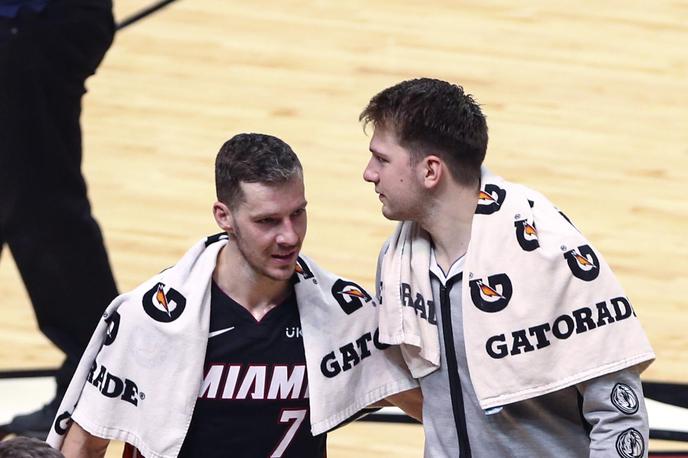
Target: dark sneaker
35 424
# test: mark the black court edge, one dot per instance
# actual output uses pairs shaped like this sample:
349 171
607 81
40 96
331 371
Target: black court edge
669 393
389 418
28 373
143 13
669 454
668 435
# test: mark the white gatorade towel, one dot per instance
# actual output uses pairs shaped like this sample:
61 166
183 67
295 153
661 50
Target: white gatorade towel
542 309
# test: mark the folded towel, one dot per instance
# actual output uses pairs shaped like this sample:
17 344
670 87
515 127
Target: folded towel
542 309
404 269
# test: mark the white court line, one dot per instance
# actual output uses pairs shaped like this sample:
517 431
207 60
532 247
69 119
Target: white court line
23 395
667 417
662 416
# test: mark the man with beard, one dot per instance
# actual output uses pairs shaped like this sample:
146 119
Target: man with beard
143 380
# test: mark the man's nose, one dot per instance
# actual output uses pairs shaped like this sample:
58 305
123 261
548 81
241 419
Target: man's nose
288 234
370 175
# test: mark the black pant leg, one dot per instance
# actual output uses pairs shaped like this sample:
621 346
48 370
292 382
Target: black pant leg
56 243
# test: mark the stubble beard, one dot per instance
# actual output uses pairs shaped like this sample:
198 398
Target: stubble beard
411 212
253 261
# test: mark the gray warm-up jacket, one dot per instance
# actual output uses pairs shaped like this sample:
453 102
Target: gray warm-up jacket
602 417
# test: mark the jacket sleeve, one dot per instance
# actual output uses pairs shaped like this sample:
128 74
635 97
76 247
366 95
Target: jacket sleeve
613 407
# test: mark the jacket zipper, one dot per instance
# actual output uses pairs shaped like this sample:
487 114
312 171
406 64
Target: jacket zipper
455 390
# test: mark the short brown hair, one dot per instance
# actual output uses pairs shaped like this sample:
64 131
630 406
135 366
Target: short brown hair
25 447
433 116
252 158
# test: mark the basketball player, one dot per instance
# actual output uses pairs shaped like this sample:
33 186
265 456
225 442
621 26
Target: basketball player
255 326
428 144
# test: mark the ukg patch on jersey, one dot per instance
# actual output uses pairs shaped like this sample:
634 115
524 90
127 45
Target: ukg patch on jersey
583 263
630 444
163 306
624 399
493 296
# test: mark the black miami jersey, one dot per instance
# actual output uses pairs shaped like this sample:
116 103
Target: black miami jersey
253 401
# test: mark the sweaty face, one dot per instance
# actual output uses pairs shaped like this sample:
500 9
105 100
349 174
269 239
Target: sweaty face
269 227
395 178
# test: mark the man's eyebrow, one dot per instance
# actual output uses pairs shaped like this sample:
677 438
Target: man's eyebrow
375 151
276 214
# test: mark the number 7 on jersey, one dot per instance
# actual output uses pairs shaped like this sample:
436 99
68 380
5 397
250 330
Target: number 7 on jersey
294 416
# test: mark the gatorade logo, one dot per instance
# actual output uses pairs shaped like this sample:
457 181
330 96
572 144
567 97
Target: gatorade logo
527 235
302 271
583 263
490 199
62 423
112 329
491 296
349 295
163 306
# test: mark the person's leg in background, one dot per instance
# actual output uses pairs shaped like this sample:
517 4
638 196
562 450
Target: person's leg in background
48 226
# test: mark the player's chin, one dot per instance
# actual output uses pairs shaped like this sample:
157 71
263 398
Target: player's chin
282 271
281 274
390 214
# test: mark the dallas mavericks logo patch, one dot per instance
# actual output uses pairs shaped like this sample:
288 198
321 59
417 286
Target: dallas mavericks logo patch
624 399
630 444
583 263
492 296
163 306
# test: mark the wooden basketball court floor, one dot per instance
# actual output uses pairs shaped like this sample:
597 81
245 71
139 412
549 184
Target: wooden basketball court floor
586 102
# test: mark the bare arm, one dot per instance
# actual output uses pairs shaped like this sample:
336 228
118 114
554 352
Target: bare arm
79 443
410 401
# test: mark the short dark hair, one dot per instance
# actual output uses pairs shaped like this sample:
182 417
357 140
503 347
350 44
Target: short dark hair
252 158
25 447
429 114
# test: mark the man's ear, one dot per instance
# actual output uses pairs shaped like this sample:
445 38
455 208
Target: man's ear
432 170
223 217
